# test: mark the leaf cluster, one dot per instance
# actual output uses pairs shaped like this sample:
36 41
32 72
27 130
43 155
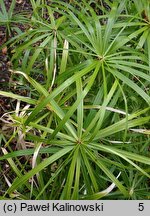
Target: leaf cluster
83 129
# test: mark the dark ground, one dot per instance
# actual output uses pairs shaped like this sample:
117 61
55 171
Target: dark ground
5 103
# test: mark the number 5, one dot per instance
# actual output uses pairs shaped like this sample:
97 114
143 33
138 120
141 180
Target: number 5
141 206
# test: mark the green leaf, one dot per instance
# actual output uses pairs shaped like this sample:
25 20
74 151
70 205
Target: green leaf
107 172
18 97
59 90
38 168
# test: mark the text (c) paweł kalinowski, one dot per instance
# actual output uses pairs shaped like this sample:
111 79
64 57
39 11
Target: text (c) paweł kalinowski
61 207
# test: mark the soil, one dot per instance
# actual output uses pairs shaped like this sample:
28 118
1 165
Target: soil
5 103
